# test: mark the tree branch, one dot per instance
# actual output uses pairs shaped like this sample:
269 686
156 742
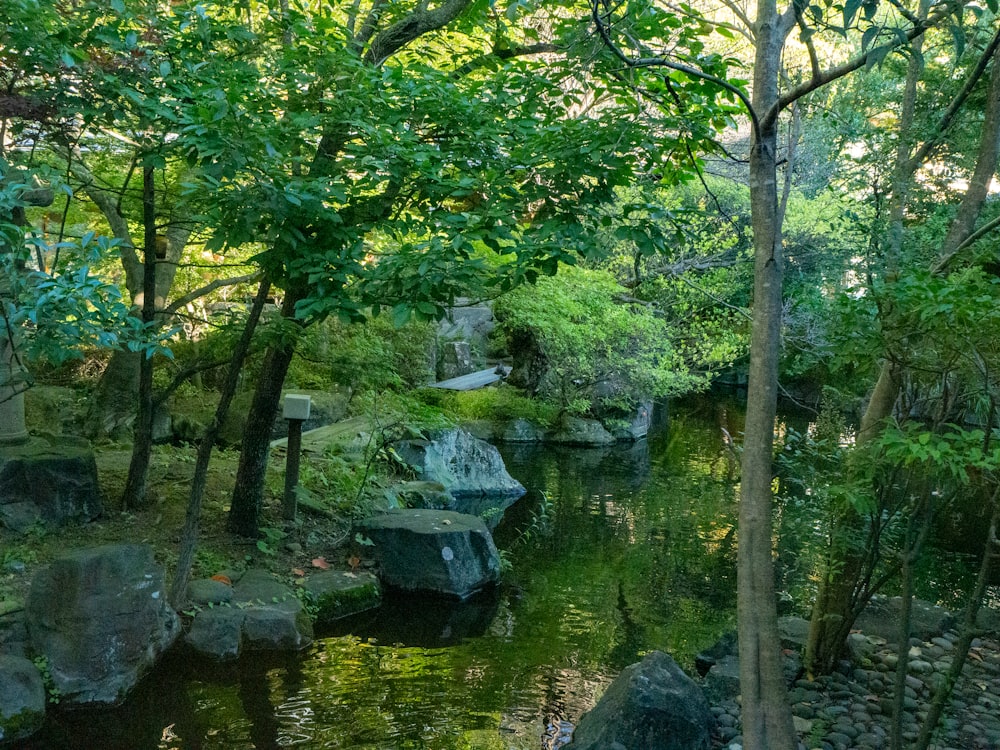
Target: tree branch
388 42
662 62
180 302
948 117
839 71
505 54
369 26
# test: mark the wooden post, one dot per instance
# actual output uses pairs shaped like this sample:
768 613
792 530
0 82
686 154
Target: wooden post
292 468
296 411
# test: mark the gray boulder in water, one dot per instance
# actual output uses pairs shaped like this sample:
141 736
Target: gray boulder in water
100 618
651 705
437 551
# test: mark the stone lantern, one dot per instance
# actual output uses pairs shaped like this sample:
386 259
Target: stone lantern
47 479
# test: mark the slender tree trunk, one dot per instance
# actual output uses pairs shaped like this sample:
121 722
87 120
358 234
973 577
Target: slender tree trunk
134 496
917 528
248 493
767 717
189 537
111 411
968 631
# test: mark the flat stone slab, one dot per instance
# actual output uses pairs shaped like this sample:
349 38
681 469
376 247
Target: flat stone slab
439 551
258 613
474 380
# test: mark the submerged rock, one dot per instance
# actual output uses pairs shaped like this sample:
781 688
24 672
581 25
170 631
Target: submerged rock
438 551
100 618
651 705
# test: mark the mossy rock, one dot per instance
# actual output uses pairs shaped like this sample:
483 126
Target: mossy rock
22 699
340 593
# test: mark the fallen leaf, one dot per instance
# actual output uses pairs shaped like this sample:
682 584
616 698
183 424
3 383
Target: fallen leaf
321 563
222 579
298 572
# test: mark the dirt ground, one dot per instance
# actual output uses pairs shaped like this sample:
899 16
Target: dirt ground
285 549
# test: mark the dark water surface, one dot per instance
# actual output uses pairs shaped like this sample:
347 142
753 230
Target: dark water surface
613 553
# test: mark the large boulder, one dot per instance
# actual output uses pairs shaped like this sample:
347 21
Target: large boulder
522 431
438 551
469 469
454 360
651 705
100 619
637 424
468 322
49 480
22 699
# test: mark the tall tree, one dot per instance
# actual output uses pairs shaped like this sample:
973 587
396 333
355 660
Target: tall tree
767 720
427 159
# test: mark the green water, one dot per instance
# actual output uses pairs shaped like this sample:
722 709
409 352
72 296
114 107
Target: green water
633 550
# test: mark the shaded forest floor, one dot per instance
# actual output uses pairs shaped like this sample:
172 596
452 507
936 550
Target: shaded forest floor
282 548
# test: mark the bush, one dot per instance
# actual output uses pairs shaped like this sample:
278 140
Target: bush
578 339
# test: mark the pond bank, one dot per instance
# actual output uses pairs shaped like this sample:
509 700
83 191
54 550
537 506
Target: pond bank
854 711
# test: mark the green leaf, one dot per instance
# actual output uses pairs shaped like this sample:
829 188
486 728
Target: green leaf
958 37
868 37
877 56
851 8
401 315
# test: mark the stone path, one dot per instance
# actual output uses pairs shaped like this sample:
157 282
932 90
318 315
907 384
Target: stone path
854 711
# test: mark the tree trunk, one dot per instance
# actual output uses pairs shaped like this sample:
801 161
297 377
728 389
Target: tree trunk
767 717
248 493
111 412
189 537
134 495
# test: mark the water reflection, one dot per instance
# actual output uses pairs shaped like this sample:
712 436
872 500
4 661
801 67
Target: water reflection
427 622
613 552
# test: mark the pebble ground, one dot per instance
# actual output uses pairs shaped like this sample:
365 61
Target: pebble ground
853 710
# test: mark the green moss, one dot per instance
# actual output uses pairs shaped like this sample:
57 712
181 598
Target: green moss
20 725
499 405
342 602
